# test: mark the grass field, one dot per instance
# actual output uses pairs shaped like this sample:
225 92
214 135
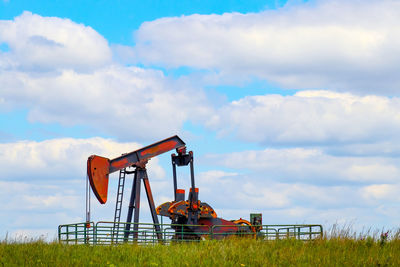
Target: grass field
335 251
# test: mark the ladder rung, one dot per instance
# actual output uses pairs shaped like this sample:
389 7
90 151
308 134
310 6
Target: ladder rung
118 204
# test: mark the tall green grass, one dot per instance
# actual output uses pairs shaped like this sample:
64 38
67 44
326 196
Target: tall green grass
337 250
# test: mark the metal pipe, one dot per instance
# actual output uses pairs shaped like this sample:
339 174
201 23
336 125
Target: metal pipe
151 205
174 174
137 201
87 200
192 172
130 208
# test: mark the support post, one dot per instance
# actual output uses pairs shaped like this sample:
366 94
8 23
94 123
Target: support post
137 202
151 205
131 207
174 174
192 172
134 203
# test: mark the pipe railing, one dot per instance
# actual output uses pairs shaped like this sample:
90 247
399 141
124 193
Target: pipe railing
102 233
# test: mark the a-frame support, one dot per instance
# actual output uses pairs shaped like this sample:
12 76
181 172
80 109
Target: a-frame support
134 205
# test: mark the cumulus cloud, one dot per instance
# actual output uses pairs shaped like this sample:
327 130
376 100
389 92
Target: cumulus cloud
127 102
311 166
347 45
382 192
62 72
304 185
48 43
108 97
235 195
34 206
63 158
42 180
310 118
74 81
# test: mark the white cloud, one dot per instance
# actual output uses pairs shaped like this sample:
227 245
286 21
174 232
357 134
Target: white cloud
35 207
127 102
310 117
311 166
352 45
235 196
382 149
63 158
50 43
211 176
62 72
280 183
382 192
43 183
299 185
59 80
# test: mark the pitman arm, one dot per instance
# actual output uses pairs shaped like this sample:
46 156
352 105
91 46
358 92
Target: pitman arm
98 168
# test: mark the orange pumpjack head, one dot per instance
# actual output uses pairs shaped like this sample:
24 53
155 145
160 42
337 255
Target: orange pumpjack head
98 170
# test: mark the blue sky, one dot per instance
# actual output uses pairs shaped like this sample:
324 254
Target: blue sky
292 108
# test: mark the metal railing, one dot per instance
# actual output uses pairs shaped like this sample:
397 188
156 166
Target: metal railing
77 233
102 233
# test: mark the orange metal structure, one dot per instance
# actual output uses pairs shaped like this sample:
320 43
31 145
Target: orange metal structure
194 216
98 168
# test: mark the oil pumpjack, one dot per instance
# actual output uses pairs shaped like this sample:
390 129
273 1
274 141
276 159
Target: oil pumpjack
195 216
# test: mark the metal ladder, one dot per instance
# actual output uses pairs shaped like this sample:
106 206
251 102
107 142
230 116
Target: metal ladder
118 205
